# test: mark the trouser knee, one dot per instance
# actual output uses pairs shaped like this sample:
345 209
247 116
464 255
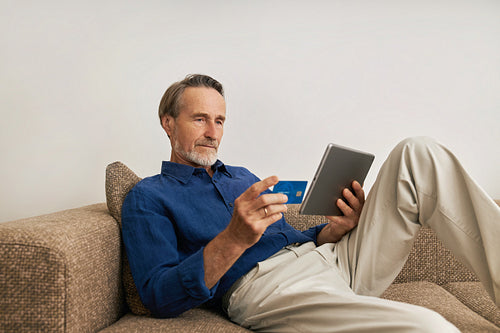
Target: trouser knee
422 154
420 145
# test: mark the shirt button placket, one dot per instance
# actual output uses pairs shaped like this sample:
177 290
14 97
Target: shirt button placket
229 204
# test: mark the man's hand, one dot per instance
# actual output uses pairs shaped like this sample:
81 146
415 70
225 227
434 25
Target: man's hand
340 225
252 214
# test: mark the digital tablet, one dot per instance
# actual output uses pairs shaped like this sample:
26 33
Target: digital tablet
338 168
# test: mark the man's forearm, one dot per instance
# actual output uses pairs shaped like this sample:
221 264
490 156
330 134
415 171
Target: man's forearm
218 257
253 213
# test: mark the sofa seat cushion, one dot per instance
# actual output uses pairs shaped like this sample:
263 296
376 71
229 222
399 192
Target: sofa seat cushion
434 297
476 298
195 320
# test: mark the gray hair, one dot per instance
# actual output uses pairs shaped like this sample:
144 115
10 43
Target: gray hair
170 102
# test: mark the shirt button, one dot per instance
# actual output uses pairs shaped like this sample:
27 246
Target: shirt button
231 204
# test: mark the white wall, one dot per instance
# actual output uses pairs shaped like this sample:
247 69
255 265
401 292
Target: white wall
80 83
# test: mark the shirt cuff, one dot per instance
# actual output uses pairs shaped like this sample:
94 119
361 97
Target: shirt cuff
192 277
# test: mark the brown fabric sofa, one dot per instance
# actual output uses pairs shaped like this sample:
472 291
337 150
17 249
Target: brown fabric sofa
62 272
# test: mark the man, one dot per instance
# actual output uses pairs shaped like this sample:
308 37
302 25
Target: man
204 232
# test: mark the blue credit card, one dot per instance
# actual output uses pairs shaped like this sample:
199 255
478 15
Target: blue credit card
294 189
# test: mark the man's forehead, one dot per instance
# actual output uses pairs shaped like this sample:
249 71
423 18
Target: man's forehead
201 94
203 100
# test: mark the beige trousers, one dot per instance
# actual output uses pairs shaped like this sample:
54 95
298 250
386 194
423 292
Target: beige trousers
333 288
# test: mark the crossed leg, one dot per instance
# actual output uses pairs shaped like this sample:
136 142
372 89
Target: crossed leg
422 183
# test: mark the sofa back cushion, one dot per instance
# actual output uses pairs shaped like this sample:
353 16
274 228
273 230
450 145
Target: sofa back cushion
119 181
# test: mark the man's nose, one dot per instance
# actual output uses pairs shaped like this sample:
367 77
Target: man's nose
211 130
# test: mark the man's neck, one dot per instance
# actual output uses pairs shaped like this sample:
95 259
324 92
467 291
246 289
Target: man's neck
175 158
209 171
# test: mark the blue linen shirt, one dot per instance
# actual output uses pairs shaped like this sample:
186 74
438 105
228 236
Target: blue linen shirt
168 219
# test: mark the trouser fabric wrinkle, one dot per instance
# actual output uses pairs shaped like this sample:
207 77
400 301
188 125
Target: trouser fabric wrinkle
335 287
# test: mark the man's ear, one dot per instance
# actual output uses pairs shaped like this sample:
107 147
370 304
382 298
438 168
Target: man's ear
167 122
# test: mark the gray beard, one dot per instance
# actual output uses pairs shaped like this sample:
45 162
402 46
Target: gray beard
195 157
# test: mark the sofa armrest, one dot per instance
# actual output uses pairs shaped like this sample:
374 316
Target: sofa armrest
60 272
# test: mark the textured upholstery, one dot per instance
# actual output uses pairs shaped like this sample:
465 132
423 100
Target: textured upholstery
427 260
119 181
473 295
192 321
62 272
432 296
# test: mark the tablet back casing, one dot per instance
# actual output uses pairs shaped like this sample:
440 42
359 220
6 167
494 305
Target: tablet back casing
339 167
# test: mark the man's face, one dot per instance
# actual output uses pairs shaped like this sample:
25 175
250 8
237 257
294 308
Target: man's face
196 133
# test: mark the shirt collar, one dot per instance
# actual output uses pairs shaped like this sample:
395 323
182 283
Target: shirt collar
183 172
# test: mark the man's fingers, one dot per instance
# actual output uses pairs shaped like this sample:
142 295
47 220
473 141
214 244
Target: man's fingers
271 218
270 199
254 206
359 192
270 210
356 199
256 189
351 199
345 208
340 225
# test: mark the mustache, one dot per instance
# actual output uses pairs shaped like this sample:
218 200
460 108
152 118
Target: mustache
208 142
